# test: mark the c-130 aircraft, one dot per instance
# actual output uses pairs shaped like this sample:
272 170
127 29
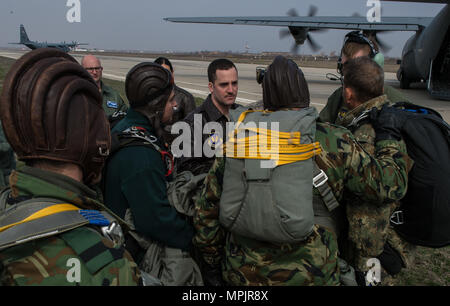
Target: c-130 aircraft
425 56
24 40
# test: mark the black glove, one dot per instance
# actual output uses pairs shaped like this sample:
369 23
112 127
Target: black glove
387 123
390 260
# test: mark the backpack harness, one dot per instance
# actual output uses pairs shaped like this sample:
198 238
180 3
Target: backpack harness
423 217
138 136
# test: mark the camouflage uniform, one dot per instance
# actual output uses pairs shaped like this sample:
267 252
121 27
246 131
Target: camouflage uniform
335 108
312 262
369 225
44 261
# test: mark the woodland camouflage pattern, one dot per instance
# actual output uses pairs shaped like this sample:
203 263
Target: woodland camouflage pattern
369 226
314 261
44 261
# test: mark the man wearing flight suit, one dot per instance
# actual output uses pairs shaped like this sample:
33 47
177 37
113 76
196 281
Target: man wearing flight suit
112 101
244 261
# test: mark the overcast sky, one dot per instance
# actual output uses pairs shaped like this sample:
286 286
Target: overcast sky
139 24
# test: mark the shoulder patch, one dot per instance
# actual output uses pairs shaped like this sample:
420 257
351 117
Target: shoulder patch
111 104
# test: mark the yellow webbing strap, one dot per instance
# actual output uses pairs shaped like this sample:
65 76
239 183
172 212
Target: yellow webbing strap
54 209
283 147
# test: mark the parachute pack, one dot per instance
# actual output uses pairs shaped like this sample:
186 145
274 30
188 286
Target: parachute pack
272 203
423 217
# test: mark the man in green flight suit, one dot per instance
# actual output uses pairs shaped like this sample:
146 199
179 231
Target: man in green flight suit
53 231
356 44
112 101
136 176
370 234
245 261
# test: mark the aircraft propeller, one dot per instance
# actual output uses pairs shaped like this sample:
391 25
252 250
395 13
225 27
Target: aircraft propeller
301 34
383 46
372 33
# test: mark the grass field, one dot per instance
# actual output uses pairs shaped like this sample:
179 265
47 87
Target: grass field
431 267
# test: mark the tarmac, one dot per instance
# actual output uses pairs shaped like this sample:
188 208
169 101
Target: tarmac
192 76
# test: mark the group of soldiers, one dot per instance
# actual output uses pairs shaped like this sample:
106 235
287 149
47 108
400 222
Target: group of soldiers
97 182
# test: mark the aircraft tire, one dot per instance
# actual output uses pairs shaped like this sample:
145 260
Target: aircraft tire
404 82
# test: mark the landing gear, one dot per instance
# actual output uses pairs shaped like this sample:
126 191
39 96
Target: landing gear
404 82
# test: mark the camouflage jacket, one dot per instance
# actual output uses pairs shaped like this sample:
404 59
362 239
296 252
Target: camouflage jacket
50 260
335 107
369 225
314 261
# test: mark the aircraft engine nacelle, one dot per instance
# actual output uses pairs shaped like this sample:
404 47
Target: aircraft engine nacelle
429 41
299 34
423 47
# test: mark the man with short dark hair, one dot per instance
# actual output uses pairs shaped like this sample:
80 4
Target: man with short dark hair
356 44
223 88
369 233
112 101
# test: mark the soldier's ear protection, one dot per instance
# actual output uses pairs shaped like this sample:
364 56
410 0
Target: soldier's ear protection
260 72
360 38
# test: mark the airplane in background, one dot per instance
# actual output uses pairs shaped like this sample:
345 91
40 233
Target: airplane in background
425 56
24 40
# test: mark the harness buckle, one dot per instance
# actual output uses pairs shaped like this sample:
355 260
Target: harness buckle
320 179
397 217
114 233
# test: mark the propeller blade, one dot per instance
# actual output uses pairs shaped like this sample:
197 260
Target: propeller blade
383 46
295 48
374 35
314 46
292 12
284 33
312 10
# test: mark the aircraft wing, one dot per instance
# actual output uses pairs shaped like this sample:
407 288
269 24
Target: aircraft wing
316 22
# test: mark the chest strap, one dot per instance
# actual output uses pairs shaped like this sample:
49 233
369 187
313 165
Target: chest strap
320 181
325 205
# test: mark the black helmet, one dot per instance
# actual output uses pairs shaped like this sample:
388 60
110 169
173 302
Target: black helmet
284 85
